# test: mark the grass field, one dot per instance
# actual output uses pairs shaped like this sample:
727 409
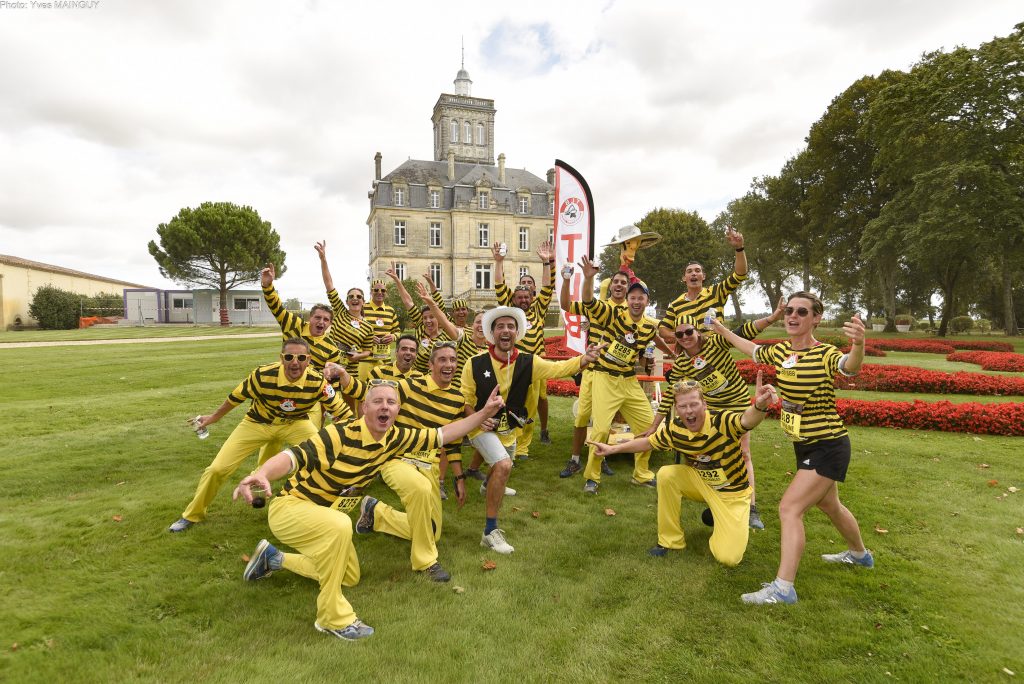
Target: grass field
98 462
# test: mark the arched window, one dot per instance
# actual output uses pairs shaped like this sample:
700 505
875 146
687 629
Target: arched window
468 133
480 135
455 131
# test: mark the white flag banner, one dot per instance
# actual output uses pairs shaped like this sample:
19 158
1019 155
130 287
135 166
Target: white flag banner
574 237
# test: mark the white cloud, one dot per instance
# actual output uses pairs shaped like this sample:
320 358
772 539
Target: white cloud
115 118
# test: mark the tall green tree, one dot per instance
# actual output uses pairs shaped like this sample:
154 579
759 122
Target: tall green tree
218 244
952 128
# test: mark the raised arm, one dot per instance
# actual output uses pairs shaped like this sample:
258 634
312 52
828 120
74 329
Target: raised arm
762 323
590 270
321 249
402 292
852 361
735 238
443 322
547 257
743 344
764 396
563 294
499 263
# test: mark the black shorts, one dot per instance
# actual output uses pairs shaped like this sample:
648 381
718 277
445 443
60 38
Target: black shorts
829 457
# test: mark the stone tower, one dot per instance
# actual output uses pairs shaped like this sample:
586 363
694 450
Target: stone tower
464 124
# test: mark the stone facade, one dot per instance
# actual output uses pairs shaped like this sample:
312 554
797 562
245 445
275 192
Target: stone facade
441 217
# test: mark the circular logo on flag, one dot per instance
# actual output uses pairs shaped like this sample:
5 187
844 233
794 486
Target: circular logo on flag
571 211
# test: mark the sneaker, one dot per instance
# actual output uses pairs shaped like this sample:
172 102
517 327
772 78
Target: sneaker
508 490
847 558
571 468
707 518
357 630
437 573
652 483
444 492
475 474
770 593
658 551
545 438
590 487
180 525
522 457
365 523
605 468
259 565
495 541
755 519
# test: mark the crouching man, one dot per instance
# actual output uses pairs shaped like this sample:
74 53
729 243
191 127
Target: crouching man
713 471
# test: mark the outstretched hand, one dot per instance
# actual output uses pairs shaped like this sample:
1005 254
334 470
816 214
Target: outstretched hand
854 329
764 395
545 251
734 237
590 269
321 249
601 449
250 483
267 275
494 403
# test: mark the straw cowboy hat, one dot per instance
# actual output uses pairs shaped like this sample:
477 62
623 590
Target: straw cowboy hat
492 315
629 232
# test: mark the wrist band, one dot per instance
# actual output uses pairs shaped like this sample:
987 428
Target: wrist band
460 477
762 410
740 249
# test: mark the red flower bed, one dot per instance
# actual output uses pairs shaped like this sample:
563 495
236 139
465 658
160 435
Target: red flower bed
985 419
907 379
983 346
563 388
554 348
995 361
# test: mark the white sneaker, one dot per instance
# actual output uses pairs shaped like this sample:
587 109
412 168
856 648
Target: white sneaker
496 542
508 490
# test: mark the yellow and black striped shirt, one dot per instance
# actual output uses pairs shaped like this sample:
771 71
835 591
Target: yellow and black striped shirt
806 382
715 369
348 331
416 316
626 338
715 297
276 398
340 457
422 361
464 351
533 340
322 349
383 320
424 405
390 371
714 452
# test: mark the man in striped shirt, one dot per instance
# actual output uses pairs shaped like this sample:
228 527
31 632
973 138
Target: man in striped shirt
698 300
535 305
713 471
283 394
321 471
405 354
384 322
428 401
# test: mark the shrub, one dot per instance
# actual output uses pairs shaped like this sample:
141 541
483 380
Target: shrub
983 325
924 324
961 324
104 304
904 319
55 309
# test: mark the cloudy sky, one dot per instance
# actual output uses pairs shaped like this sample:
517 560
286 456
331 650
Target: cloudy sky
117 113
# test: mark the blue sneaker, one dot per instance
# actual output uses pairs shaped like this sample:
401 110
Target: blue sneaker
847 558
658 551
652 484
590 487
265 559
571 468
357 630
754 521
770 593
180 525
365 523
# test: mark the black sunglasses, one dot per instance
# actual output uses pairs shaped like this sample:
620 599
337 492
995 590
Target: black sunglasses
800 311
680 334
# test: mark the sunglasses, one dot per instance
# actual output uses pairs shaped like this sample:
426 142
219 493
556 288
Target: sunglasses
301 358
523 288
355 296
685 385
379 289
381 382
800 311
442 345
680 334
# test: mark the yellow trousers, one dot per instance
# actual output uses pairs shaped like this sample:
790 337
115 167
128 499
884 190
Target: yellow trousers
611 394
731 511
244 439
584 407
420 492
524 435
323 538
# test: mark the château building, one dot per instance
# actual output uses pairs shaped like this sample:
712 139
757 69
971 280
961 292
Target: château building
441 217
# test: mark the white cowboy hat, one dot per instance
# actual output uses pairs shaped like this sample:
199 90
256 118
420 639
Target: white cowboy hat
630 232
492 315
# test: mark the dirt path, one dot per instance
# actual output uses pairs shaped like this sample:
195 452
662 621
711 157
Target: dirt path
140 340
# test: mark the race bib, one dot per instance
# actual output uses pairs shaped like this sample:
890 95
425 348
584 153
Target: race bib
381 351
503 428
711 380
790 419
421 459
714 478
348 500
619 353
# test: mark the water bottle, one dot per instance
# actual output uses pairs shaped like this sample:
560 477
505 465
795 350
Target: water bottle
567 271
709 318
502 249
649 351
201 431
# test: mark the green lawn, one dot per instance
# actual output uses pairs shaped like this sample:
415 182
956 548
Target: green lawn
129 333
98 462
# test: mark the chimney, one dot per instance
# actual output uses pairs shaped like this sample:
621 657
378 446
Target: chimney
501 168
551 176
376 165
451 165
